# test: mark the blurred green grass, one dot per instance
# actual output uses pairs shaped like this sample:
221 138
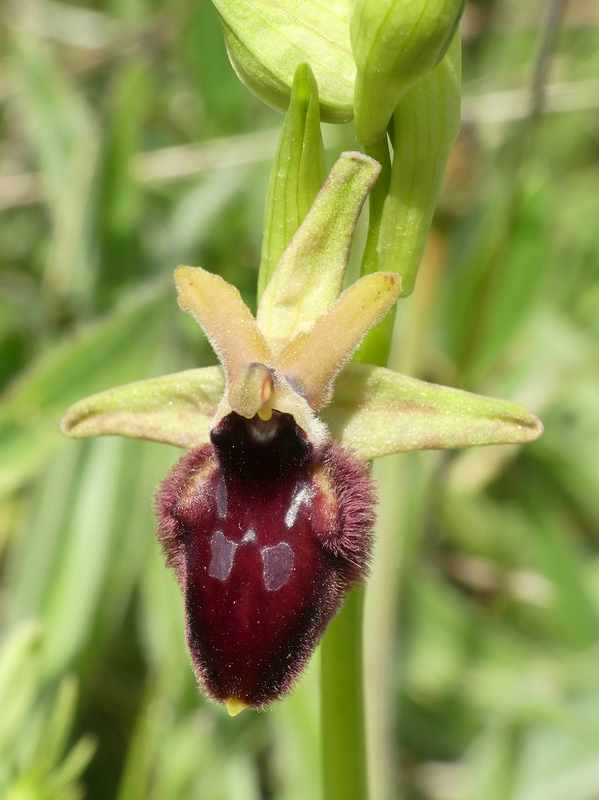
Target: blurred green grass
482 628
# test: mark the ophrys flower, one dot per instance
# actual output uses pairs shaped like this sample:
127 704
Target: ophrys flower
267 520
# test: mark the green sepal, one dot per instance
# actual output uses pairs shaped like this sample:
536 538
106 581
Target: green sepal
174 409
309 275
395 44
296 175
378 412
425 125
267 41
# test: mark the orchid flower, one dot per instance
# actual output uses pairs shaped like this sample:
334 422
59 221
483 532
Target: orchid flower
267 520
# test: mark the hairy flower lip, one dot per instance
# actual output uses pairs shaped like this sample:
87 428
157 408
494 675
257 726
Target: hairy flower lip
266 539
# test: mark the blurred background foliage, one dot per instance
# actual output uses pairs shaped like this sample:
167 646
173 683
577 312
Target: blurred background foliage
127 146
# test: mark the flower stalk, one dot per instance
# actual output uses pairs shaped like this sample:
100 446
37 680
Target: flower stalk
345 771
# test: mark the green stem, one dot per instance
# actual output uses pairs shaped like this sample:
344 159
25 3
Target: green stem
376 201
343 720
342 704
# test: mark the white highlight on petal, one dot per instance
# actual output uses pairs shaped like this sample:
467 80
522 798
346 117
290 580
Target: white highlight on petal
277 565
221 498
302 493
223 551
249 536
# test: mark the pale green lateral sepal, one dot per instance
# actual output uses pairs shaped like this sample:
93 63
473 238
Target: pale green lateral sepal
309 275
395 44
266 41
378 412
426 124
296 175
174 409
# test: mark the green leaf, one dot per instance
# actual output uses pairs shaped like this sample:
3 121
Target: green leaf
73 765
56 115
379 412
65 140
297 173
89 548
497 269
109 352
54 736
36 558
174 409
162 624
426 123
19 683
267 40
573 617
119 202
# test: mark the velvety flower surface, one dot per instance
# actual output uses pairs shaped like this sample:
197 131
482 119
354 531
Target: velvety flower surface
266 537
267 520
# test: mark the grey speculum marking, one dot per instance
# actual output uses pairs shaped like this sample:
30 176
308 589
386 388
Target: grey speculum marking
277 561
302 494
222 556
277 565
221 499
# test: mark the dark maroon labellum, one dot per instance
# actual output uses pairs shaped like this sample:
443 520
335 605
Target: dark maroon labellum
266 538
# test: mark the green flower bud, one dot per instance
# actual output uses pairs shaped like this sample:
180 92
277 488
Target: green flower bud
395 43
425 125
267 41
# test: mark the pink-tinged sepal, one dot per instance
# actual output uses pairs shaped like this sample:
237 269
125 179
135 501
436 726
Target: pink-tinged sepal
266 535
